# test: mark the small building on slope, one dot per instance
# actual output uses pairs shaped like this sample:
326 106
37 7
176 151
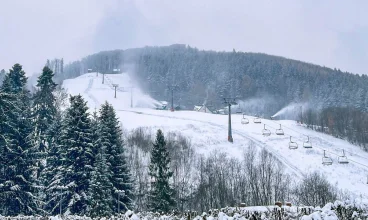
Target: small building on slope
202 108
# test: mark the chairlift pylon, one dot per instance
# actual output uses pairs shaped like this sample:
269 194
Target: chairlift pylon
279 131
293 145
244 120
265 131
343 159
326 160
307 144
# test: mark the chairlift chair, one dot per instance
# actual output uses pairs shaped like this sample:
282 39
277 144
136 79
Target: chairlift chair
280 131
257 120
326 160
244 120
265 131
293 145
307 144
343 159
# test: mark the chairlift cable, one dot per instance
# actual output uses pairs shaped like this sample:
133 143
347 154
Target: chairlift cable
353 161
315 136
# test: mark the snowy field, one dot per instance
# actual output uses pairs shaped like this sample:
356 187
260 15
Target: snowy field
209 132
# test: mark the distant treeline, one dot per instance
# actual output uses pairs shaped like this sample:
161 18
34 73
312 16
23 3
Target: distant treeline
339 99
342 122
209 75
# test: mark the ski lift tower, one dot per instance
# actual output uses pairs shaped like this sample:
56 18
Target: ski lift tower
229 102
172 88
131 96
115 86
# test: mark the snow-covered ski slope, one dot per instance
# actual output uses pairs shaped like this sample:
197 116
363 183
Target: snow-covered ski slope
209 132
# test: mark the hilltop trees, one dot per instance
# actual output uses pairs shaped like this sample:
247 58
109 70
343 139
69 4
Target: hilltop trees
269 83
230 74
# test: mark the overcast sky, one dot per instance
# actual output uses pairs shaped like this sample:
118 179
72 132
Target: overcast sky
331 33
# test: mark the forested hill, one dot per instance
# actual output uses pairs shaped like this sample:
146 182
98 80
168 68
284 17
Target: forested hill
201 76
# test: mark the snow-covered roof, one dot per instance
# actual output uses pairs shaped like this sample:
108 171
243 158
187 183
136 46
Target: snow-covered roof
197 107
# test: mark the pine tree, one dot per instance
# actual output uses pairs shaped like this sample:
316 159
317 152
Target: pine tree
359 100
44 115
44 106
71 181
101 194
48 63
101 188
120 175
62 66
53 163
7 102
2 76
44 102
17 193
161 195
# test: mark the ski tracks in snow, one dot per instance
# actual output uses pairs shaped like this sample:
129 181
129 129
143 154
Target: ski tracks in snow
88 89
258 143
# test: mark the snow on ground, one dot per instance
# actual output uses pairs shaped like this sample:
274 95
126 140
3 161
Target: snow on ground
331 211
91 87
209 132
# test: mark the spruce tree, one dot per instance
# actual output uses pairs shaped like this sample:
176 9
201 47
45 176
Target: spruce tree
53 164
100 192
7 102
17 193
101 187
71 181
2 76
161 194
62 66
44 115
120 175
44 106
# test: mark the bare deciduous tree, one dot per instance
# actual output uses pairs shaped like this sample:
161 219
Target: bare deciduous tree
315 190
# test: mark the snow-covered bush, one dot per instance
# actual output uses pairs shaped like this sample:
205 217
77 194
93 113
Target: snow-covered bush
348 210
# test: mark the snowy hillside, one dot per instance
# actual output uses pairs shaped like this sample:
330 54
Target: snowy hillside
209 132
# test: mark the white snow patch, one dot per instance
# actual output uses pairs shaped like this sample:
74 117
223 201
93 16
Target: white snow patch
209 132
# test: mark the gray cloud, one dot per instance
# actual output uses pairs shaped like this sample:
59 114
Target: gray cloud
330 33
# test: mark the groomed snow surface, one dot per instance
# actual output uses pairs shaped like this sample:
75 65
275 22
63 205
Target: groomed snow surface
209 132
